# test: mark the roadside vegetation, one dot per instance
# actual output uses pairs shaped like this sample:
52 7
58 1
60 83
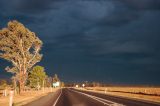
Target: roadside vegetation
37 77
153 91
22 49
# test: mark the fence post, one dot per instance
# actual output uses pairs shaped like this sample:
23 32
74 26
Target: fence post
11 93
5 92
105 91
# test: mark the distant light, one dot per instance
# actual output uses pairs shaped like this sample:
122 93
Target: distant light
77 86
83 85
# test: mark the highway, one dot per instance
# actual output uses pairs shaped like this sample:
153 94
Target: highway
73 97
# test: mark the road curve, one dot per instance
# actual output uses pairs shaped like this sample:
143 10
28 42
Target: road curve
73 97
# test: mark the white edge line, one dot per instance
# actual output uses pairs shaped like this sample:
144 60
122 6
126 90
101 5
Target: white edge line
99 99
90 97
57 98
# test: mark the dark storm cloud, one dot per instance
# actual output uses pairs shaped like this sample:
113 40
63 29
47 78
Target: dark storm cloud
143 4
27 5
36 6
107 36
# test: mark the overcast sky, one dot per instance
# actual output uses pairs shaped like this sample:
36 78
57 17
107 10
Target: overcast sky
112 41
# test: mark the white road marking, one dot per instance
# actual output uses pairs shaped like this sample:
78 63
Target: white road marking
110 103
57 98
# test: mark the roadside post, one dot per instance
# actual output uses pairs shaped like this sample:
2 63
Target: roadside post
5 92
51 89
105 90
43 86
11 93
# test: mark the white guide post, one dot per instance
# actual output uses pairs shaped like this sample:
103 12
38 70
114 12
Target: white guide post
5 92
11 93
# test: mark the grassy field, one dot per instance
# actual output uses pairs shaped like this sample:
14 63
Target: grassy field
135 90
145 93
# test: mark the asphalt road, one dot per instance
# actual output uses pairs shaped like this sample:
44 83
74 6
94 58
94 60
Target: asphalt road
73 97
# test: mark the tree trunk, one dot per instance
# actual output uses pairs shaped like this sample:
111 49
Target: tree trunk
22 80
15 85
20 87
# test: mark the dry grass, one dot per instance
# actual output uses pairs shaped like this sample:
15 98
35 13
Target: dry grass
25 97
145 93
135 90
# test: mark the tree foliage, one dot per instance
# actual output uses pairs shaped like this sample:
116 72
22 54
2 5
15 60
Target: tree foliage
21 47
37 76
3 84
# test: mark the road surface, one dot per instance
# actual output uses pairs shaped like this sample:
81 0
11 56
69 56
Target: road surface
73 97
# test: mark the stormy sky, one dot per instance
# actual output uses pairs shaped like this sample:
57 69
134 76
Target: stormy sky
111 41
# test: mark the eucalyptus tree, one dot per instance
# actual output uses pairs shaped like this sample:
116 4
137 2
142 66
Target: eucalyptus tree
21 47
37 77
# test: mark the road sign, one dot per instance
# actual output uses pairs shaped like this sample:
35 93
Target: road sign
56 84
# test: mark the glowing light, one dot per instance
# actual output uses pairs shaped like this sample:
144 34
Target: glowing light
83 85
